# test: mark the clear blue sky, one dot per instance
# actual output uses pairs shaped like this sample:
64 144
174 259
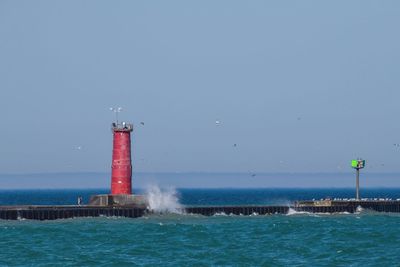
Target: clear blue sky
299 86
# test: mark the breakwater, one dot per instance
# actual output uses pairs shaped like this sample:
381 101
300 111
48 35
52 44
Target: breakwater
71 211
65 212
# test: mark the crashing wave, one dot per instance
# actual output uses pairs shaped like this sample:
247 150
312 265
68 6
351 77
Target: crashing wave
163 200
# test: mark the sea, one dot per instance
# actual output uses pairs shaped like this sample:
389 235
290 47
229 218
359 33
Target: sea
172 239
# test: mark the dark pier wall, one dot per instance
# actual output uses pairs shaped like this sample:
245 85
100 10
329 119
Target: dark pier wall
237 210
380 206
350 206
65 212
60 212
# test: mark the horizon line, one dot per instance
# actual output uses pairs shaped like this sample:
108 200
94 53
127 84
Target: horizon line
207 188
197 172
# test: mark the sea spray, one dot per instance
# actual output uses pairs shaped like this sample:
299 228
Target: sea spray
292 211
163 200
359 209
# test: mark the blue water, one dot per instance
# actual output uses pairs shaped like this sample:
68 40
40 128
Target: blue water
365 239
198 196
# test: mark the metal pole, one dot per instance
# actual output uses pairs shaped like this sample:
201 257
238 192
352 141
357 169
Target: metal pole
358 184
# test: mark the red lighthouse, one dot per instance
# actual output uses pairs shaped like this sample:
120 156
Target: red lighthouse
121 167
121 171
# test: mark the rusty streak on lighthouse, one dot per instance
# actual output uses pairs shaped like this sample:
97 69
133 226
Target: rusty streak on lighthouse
121 167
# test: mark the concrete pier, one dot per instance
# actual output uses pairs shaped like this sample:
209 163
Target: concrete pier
237 210
348 205
65 212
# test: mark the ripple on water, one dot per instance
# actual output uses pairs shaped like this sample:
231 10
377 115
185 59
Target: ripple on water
196 240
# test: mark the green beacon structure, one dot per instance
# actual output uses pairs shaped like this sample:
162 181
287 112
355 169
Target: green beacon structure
358 164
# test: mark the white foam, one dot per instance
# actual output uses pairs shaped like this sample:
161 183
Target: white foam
163 200
316 214
359 209
295 212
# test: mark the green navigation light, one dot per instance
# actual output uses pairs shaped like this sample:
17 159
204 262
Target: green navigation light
354 163
358 163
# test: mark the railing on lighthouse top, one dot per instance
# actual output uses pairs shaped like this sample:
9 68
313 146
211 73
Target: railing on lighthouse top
122 127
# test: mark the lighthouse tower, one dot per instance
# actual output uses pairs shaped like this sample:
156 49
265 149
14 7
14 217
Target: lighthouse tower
121 171
121 167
